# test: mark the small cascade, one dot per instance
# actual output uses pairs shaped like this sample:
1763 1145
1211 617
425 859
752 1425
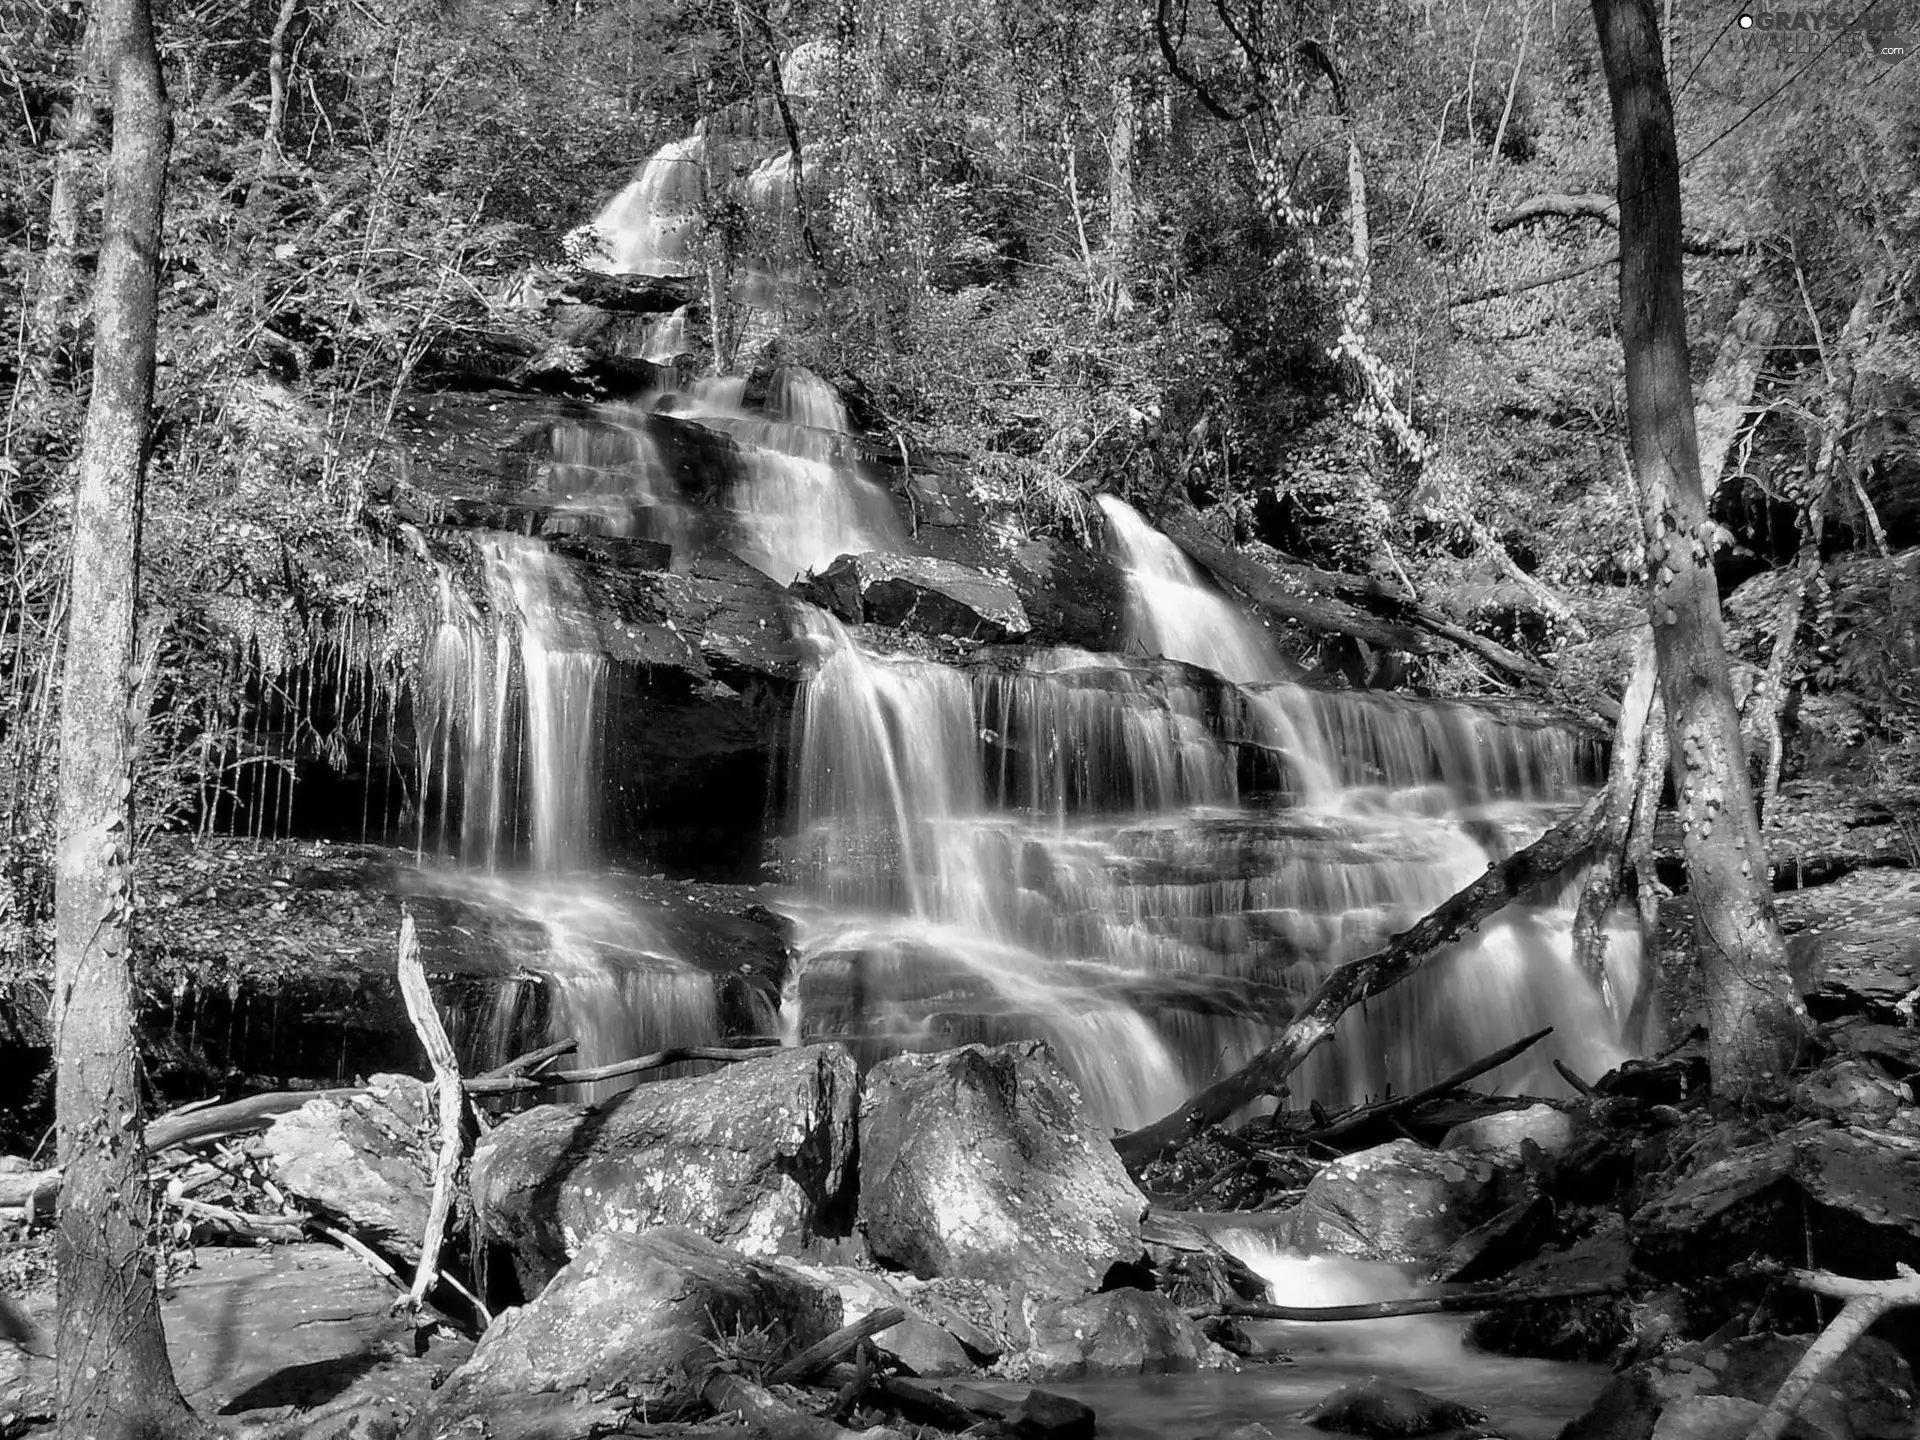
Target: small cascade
650 226
1173 611
796 502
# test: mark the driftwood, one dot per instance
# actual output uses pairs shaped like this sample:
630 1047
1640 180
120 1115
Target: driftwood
1340 1125
1865 1302
1360 980
532 1061
1465 1299
452 1103
547 1080
819 1355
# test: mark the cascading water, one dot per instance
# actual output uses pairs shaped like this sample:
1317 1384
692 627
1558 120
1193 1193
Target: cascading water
1151 867
650 226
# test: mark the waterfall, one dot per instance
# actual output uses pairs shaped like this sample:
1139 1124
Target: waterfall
1112 852
1172 611
649 227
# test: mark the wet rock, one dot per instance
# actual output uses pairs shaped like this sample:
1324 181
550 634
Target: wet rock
1853 1091
1867 1395
1399 1202
639 1317
362 1161
1708 1417
1250 1430
980 1163
1505 1134
755 1155
1856 942
920 593
1191 1268
1380 1408
1045 1415
1117 1332
1859 1187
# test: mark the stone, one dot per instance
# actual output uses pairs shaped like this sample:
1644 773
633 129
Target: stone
1708 1417
1117 1332
1191 1267
921 1342
1864 1184
1045 1415
756 1156
1504 1134
1866 1395
1248 1430
1400 1202
301 1330
920 593
980 1163
633 1318
362 1162
1382 1409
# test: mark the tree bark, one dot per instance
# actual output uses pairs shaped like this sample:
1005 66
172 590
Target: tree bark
114 1378
1360 980
1602 885
1756 1022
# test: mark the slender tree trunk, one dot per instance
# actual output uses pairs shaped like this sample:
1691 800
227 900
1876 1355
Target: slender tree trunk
114 1379
1756 1023
1602 885
1121 208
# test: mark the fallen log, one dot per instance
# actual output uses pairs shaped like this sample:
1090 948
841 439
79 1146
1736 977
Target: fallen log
1463 1300
549 1079
822 1353
533 1060
1360 980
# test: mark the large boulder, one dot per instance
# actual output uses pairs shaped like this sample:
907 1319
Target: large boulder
360 1161
756 1156
1400 1202
1505 1134
1867 1395
1387 1411
1118 1332
922 594
633 1323
979 1162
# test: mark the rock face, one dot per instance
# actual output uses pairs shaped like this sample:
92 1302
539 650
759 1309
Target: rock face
1867 1395
980 1163
1118 1332
922 594
1399 1202
637 1316
755 1156
1385 1410
361 1161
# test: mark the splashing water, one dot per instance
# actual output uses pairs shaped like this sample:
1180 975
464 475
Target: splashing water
649 227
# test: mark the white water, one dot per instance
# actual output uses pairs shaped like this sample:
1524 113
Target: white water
1065 849
650 226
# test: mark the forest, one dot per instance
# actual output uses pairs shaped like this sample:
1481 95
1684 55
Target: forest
903 719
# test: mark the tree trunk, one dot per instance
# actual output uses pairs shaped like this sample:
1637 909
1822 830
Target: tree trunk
1756 1023
114 1379
1602 885
1121 208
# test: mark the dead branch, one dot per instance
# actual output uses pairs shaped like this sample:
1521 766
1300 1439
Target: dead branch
513 1084
1606 210
1866 1301
1382 1109
1520 287
1360 980
825 1352
533 1060
732 1394
451 1102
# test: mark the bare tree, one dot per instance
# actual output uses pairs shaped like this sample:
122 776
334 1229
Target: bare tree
114 1378
1756 1021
